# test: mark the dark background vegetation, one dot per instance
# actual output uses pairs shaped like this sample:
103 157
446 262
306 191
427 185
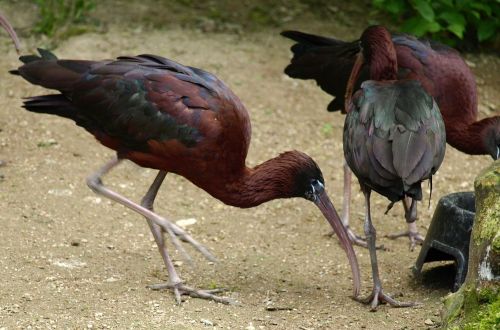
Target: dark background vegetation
464 24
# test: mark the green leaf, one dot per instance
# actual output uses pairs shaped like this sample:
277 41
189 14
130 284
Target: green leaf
475 14
457 30
395 7
434 27
481 6
424 9
448 3
453 18
419 26
486 30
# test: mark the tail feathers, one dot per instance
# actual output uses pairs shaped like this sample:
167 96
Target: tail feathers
44 55
328 61
310 39
55 104
47 71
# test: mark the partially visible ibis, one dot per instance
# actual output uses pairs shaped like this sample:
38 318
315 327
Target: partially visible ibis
177 119
394 137
10 30
441 71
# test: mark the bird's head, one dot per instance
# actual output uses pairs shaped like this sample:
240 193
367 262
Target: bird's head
307 182
376 50
491 136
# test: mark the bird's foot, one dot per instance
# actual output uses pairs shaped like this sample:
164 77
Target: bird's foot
181 234
415 238
180 289
378 297
356 239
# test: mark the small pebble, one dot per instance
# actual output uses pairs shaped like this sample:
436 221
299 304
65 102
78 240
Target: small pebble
183 223
207 322
428 322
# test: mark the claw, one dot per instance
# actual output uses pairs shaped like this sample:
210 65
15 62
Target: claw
357 240
187 238
414 237
181 289
378 297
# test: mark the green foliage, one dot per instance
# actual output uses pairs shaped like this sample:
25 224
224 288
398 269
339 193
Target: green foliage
488 316
456 22
62 17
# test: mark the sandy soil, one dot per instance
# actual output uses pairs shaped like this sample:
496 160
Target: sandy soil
71 259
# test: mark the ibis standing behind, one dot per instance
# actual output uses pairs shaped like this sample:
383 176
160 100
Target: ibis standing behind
440 70
178 119
394 137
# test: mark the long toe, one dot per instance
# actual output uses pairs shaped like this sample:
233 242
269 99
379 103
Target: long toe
355 238
378 296
414 237
180 289
185 237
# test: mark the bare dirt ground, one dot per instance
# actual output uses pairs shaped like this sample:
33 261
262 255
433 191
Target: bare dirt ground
70 259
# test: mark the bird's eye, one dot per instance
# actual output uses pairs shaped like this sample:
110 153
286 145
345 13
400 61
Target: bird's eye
312 192
317 185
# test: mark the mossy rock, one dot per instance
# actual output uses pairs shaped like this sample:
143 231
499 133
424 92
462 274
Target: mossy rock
476 305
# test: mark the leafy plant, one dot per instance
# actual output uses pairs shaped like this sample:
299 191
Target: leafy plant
456 22
62 17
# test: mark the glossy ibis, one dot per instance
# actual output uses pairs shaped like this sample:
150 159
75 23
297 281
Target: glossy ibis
440 70
174 118
394 137
10 30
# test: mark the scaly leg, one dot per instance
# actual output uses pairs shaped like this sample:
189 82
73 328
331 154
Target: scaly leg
175 283
377 296
411 218
158 225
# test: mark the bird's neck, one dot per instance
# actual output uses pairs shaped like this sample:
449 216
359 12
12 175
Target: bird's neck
382 58
468 137
253 186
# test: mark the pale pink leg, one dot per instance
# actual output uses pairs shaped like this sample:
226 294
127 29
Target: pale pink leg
158 226
410 206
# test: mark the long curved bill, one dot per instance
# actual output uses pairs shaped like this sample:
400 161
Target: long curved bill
331 215
10 30
356 69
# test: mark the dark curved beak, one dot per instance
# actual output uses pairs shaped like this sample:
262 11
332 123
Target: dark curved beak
331 215
356 69
10 30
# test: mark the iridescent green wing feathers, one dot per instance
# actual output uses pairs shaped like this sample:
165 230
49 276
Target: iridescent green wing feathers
394 137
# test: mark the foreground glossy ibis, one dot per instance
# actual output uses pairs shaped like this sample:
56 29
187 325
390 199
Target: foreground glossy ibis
394 137
174 118
440 70
10 30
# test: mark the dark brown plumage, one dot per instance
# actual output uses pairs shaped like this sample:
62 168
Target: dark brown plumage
440 70
394 137
174 118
